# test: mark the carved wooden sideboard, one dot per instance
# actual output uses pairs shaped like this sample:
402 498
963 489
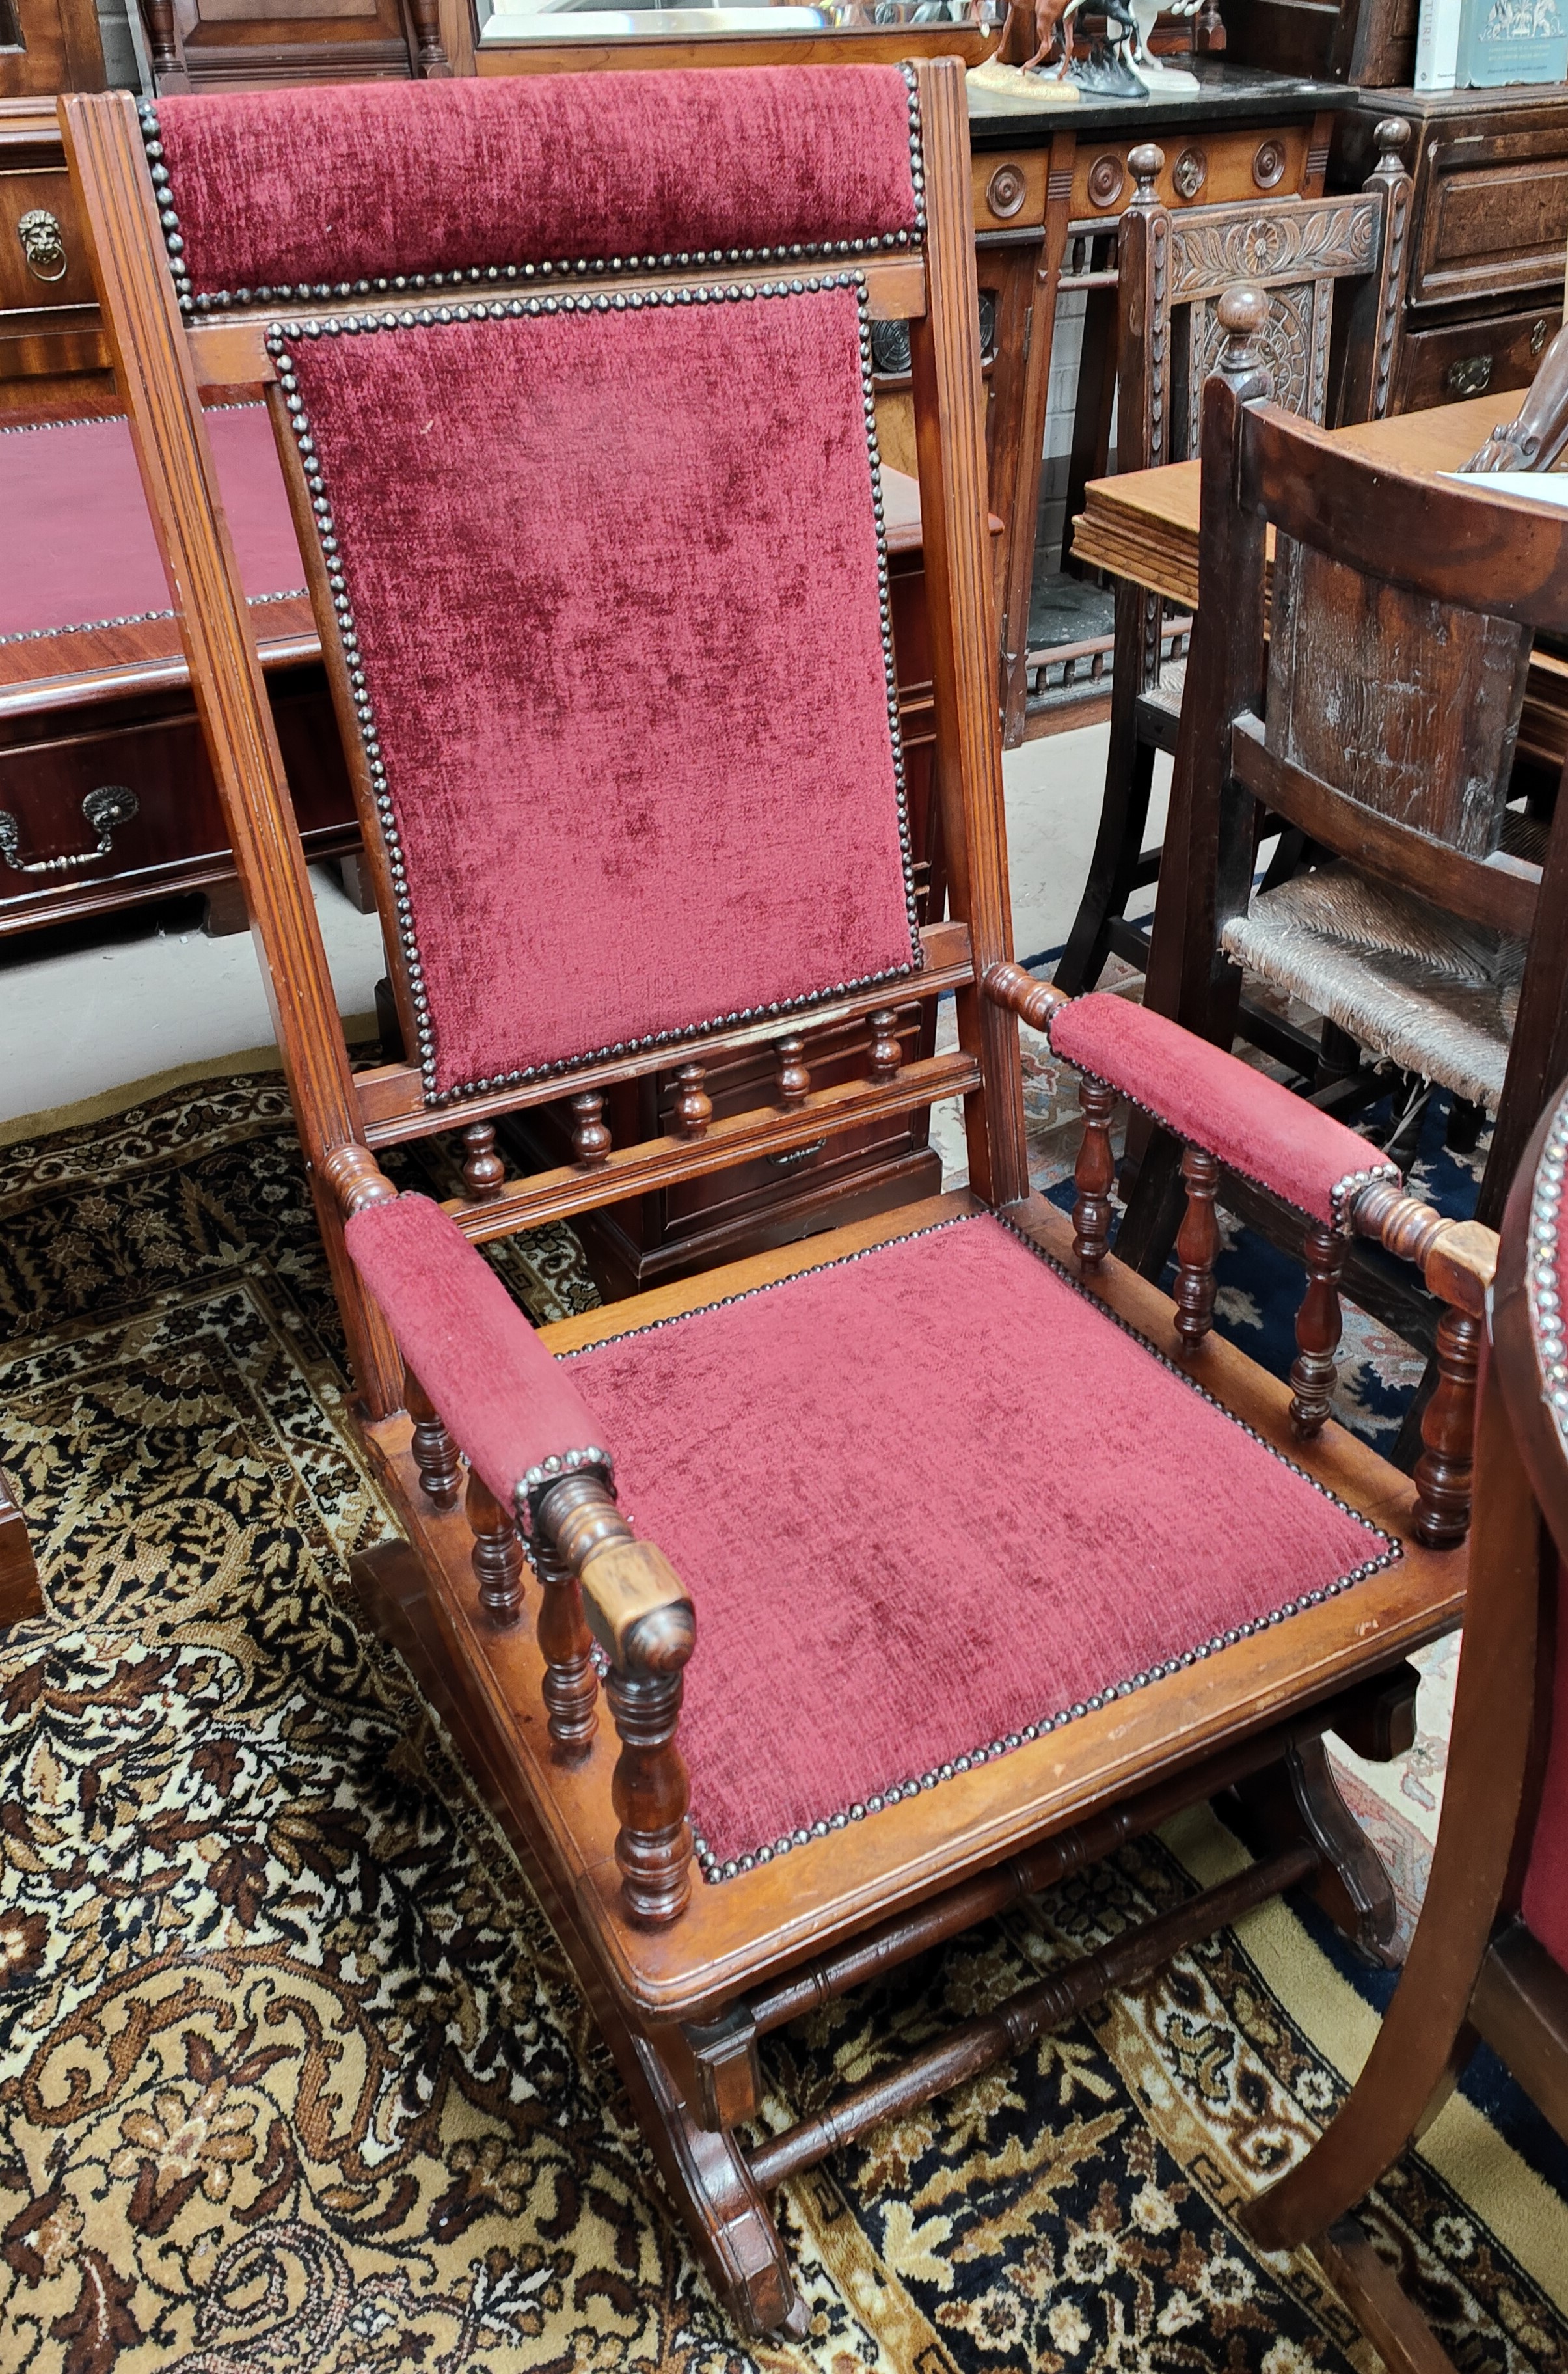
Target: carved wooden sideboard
48 45
1489 225
232 44
53 355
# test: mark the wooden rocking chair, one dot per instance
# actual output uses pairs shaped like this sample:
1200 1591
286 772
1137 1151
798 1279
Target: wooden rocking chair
1489 1956
914 1565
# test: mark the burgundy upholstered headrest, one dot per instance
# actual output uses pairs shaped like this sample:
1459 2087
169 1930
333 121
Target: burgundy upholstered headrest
291 193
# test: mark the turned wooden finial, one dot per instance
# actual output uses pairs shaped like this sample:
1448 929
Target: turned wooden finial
356 1178
792 1077
1243 314
1146 162
693 1108
887 1053
591 1138
1390 138
483 1172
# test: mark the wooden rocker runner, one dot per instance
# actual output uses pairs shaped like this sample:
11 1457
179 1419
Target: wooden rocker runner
796 1616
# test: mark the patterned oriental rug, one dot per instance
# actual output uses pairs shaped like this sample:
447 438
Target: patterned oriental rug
292 2076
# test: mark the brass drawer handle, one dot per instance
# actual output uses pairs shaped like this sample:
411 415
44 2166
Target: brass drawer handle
1471 377
43 244
110 805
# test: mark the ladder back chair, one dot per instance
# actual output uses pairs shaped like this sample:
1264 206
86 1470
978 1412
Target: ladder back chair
1376 715
1322 359
1490 1954
782 1648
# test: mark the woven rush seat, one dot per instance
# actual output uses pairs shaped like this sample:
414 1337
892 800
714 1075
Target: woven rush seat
808 1455
1432 994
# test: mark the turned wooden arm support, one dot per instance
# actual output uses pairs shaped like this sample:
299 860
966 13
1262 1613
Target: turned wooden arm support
355 1179
1457 1258
1033 1000
637 1607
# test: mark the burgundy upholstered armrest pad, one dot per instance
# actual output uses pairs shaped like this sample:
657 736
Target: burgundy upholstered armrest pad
510 1406
1207 1097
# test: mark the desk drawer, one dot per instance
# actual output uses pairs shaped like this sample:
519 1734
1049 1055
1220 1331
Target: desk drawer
1493 215
1212 167
1497 356
43 258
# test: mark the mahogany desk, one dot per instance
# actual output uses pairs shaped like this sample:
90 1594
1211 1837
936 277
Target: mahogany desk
1144 527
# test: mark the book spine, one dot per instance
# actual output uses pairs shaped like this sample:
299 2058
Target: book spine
1437 45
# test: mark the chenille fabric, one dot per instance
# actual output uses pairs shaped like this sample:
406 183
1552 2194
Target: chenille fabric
1545 1900
509 1405
284 188
1211 1099
923 1498
614 581
80 546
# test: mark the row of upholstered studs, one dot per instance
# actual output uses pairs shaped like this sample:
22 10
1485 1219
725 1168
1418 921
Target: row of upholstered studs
1545 1292
714 1870
884 600
173 239
516 308
550 1471
348 638
136 617
1176 1370
916 152
1343 1192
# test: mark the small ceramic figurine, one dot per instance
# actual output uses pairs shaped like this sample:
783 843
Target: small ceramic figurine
1153 72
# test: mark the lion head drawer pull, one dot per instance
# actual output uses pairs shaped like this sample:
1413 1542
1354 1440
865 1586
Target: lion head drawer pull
43 244
110 805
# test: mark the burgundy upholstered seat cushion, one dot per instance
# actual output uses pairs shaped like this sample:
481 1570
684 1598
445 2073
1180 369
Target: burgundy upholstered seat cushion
288 190
620 615
1545 1901
79 550
926 1500
1207 1097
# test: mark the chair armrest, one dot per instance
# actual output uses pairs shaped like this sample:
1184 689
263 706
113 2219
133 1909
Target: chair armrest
1204 1095
494 1386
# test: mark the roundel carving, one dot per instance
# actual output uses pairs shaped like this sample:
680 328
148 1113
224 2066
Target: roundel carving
1006 191
1108 176
1269 164
1191 170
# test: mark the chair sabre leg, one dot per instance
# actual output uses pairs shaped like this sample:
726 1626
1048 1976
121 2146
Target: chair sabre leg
1369 2289
966 2050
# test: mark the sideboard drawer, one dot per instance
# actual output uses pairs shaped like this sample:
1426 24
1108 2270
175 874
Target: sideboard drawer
1463 358
1493 215
1216 166
43 257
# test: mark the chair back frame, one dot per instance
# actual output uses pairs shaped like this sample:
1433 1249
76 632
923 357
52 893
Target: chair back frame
1481 556
164 363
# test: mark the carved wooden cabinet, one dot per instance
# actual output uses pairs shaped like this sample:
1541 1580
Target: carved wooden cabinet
48 45
1489 227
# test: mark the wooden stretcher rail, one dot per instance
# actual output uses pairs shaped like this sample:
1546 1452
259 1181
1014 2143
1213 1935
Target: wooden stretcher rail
233 352
392 1100
740 1137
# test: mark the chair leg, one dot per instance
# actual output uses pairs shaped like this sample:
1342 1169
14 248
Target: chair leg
704 2172
1369 2289
1300 1798
1124 812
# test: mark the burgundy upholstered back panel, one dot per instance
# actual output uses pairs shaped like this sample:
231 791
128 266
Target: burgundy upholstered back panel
612 571
302 191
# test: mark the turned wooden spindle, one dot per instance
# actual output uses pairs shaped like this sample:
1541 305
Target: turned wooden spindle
792 1076
1313 1373
1442 1474
1033 1000
496 1555
645 1625
435 1452
1198 1241
1243 314
165 53
1093 1175
571 1686
431 63
1408 1228
483 1172
591 1138
887 1051
693 1108
354 1179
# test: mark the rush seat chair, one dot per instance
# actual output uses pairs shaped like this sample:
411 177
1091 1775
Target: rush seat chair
798 1615
1490 1954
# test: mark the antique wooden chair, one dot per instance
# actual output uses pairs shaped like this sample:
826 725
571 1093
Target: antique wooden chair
1377 717
618 704
1490 1954
1174 272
